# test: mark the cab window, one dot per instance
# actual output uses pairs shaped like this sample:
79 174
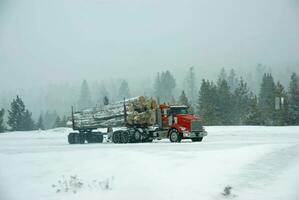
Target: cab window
178 110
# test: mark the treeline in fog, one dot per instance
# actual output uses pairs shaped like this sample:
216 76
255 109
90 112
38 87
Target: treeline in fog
19 118
230 101
225 99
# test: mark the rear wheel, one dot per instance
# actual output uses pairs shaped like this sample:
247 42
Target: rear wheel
137 136
174 136
124 137
71 138
81 138
116 137
197 139
76 138
99 138
95 137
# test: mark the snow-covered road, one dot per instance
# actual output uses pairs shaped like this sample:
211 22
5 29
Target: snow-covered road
257 162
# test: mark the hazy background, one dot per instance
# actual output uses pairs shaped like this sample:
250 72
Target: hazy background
48 47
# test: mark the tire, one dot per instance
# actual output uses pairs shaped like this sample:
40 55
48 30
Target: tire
116 137
90 138
124 137
99 138
81 138
76 137
94 138
174 136
71 139
197 139
137 136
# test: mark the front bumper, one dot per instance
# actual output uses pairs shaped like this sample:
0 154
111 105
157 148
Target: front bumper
194 134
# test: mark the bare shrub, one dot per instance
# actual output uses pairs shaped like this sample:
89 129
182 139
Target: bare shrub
227 192
74 184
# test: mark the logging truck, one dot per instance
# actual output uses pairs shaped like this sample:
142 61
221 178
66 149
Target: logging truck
135 120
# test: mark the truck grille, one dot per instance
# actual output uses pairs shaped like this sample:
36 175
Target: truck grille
196 125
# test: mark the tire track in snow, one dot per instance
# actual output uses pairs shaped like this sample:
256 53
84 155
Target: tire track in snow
268 173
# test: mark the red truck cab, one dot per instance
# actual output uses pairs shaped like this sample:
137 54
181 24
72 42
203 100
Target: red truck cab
181 124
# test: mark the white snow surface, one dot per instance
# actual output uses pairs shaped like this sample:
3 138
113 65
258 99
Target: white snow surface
257 162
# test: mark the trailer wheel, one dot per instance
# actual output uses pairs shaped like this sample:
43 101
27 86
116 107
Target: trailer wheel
71 138
81 138
197 139
137 136
76 138
174 136
124 137
94 137
116 137
90 138
99 138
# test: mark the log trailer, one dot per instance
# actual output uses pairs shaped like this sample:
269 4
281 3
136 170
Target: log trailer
165 121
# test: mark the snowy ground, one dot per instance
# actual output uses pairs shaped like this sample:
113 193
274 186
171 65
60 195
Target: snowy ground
257 162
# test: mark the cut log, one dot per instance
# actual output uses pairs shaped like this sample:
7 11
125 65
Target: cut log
140 111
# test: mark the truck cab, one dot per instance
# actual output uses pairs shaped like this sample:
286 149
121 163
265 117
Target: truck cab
181 124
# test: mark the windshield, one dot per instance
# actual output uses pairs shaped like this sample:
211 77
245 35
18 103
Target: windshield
179 110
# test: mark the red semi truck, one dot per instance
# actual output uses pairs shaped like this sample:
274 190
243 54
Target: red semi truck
179 124
172 121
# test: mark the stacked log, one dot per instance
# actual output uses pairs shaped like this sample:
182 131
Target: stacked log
140 111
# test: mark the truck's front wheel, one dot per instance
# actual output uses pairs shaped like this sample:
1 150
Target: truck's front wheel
174 136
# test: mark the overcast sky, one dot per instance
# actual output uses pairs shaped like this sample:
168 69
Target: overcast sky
44 41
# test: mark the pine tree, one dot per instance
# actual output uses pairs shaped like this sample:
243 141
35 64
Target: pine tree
40 123
157 86
232 80
19 118
105 101
240 103
57 122
28 122
254 116
103 93
63 121
16 114
222 75
47 120
85 96
183 99
294 100
224 106
207 102
167 85
267 99
124 91
281 107
260 70
2 127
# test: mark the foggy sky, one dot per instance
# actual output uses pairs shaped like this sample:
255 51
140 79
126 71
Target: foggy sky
45 41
